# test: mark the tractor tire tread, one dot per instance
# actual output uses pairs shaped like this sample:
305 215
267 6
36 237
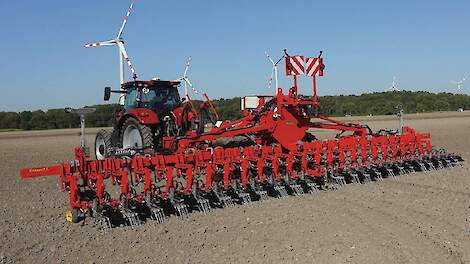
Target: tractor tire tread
107 140
145 132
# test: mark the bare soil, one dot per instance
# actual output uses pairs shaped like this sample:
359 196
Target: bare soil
420 218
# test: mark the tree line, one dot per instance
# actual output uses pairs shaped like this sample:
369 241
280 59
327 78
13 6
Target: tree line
383 103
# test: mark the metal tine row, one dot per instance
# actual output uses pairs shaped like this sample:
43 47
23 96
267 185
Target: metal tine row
132 219
281 190
181 210
297 189
204 205
103 223
245 198
263 195
157 214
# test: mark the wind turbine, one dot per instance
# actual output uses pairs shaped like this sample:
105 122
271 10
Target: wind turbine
458 83
186 80
273 71
119 42
394 87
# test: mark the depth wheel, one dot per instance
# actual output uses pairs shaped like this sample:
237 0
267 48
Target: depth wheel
135 135
102 145
73 216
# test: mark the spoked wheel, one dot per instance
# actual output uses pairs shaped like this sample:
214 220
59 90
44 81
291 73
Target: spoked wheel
135 135
102 145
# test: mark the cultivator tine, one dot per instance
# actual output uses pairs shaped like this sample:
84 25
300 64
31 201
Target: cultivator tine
281 190
263 195
312 188
181 210
410 169
378 176
103 223
440 165
157 214
297 189
131 218
421 165
355 178
203 205
367 177
401 169
339 181
431 165
244 197
391 173
226 201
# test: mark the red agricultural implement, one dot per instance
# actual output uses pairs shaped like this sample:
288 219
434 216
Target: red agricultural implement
165 156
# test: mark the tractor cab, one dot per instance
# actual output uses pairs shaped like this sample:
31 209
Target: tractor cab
159 96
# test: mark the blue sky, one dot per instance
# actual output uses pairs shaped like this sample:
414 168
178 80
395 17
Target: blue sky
44 65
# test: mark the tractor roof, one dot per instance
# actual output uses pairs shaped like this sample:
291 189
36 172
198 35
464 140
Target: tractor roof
150 83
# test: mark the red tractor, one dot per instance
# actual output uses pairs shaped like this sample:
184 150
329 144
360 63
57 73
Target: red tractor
153 111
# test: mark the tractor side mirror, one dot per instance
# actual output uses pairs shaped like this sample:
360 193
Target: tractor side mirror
107 93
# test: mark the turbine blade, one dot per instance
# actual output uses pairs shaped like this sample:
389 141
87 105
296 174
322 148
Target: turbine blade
269 57
124 22
191 85
185 74
126 58
102 43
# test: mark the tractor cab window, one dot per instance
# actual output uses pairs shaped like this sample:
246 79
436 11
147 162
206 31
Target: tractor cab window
131 99
164 98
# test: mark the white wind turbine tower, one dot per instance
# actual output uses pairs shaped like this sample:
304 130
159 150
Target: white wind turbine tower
458 84
186 80
119 42
394 86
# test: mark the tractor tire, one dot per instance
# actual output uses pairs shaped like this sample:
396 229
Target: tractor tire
135 135
103 145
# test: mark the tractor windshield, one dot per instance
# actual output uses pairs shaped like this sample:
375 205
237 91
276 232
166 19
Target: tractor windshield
160 98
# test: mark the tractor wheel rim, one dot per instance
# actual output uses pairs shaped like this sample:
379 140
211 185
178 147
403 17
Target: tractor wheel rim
100 148
132 138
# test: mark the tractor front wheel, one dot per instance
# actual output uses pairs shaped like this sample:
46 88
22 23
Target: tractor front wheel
135 135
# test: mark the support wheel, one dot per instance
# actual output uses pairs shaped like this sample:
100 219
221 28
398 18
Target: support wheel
73 216
102 144
135 135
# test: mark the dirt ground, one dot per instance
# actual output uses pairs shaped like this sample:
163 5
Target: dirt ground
421 218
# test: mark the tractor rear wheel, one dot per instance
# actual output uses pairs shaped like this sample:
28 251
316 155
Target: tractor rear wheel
102 144
135 135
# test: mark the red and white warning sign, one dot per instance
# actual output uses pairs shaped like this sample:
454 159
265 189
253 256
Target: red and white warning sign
314 67
295 65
